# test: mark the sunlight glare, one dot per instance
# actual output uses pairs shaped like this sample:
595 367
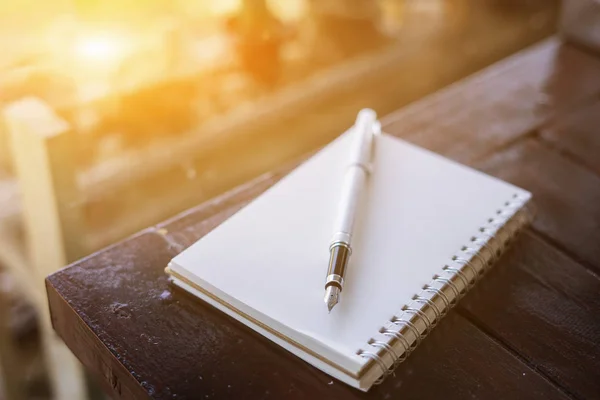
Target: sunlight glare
100 49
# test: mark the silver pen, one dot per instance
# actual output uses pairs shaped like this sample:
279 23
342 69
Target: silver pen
353 185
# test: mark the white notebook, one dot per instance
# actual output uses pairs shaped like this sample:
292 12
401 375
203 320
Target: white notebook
427 229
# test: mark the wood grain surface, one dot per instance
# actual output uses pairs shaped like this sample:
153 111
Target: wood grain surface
529 330
493 108
544 307
577 136
566 195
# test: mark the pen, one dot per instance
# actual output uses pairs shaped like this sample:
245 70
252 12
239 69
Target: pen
353 184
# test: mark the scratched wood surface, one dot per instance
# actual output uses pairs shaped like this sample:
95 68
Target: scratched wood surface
529 330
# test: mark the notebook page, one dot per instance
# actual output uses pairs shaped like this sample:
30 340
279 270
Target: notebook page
418 210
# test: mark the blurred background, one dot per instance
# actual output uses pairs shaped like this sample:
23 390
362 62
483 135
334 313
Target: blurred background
119 114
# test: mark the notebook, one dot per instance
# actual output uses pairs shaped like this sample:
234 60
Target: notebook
427 229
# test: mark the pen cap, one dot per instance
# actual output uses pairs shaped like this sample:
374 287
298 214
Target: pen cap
363 135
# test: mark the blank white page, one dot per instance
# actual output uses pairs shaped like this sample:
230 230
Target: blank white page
418 210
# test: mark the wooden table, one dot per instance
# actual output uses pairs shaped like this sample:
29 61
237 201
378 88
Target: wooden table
530 329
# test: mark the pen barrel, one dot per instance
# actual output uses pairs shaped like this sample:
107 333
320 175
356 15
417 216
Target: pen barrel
352 188
360 151
354 179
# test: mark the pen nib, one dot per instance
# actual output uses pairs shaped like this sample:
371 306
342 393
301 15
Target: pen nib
332 295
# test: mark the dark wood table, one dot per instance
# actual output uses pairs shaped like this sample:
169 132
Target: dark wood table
530 329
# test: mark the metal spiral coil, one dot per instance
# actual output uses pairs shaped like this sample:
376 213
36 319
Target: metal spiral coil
452 286
386 348
466 282
474 254
409 325
463 262
432 305
485 245
424 317
492 238
379 361
401 339
441 295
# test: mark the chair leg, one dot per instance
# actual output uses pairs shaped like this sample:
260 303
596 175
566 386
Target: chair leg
41 144
64 369
11 384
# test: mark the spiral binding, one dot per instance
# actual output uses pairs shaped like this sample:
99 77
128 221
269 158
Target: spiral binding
454 277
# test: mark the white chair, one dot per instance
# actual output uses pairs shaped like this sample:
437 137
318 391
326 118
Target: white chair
40 150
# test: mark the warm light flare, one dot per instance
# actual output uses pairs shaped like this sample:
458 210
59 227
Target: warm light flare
101 49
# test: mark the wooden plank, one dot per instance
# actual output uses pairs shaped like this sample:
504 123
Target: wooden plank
142 337
494 107
112 376
567 196
578 135
458 361
545 307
